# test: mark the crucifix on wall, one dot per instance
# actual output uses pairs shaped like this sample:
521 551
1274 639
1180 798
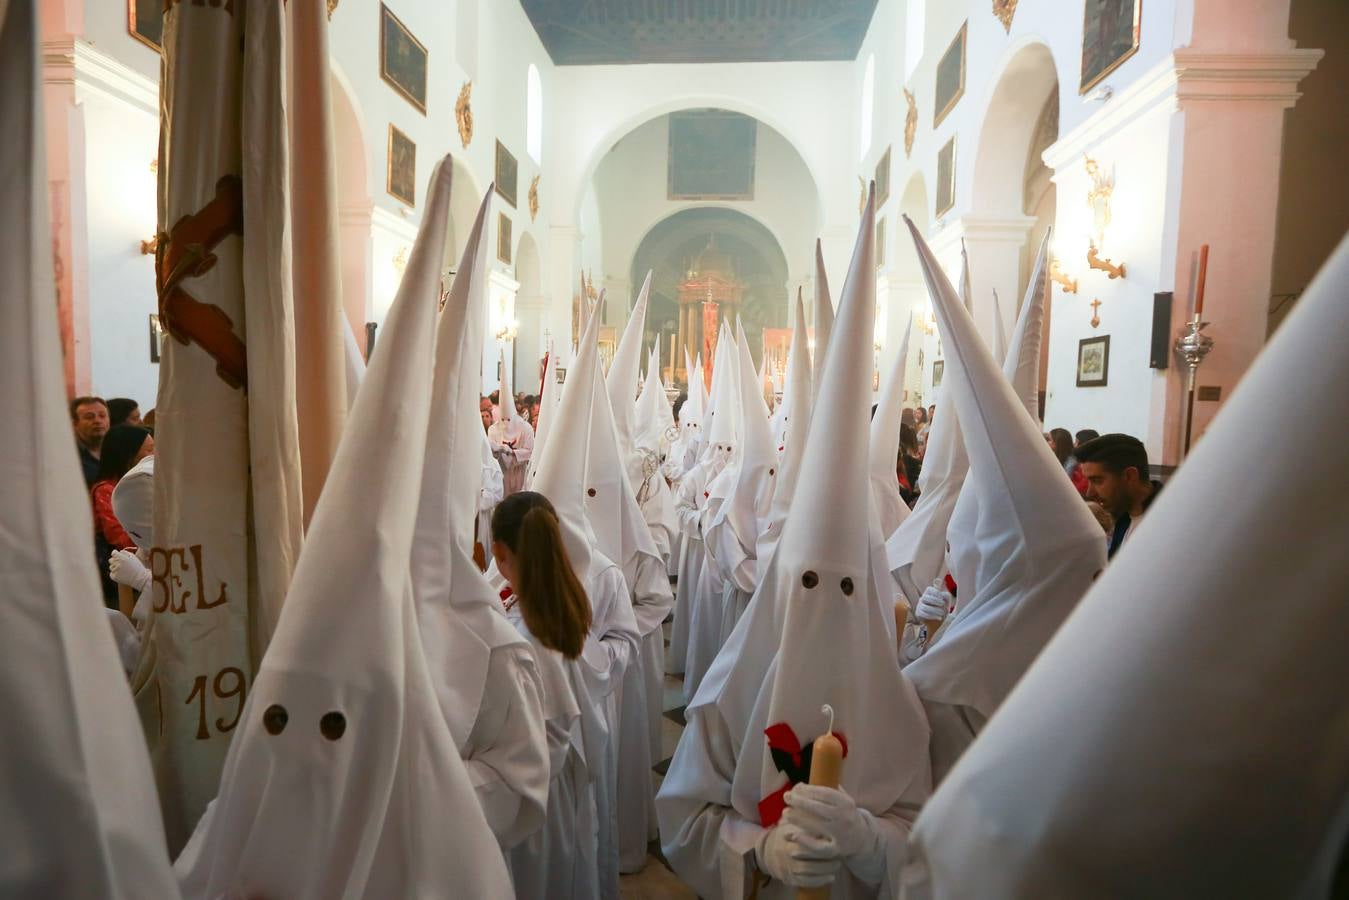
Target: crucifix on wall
1095 313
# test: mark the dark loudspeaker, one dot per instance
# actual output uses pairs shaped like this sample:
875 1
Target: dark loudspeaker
1159 357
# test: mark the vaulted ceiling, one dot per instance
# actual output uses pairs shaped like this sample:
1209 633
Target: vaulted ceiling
593 32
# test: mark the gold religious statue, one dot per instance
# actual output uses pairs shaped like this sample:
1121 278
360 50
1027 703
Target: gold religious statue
534 198
463 113
910 123
332 6
1098 200
1004 10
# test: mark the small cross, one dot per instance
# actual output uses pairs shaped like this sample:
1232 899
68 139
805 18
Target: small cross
1095 313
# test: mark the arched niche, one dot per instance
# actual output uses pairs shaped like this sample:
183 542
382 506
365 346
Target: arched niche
354 204
465 199
1014 107
671 249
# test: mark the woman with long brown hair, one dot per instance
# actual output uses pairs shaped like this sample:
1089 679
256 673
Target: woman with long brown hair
546 601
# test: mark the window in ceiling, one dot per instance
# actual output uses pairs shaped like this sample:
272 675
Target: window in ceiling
868 103
534 115
913 35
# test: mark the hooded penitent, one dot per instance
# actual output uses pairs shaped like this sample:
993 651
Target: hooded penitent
343 779
549 397
654 418
917 549
1038 546
815 633
796 422
1187 695
823 312
81 817
621 382
513 435
883 460
482 668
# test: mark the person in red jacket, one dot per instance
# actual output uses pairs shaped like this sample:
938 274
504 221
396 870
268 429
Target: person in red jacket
1061 442
123 447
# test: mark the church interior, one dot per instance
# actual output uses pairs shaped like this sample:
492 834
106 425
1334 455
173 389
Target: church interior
1128 201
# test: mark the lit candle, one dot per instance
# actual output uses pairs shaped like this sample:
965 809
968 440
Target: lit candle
826 770
1199 286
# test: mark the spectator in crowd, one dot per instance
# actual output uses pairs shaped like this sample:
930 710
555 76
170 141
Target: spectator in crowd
1061 442
1086 434
89 416
1116 468
122 448
148 420
123 411
485 411
910 464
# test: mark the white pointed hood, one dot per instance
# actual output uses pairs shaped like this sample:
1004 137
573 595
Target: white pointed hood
1038 547
753 469
561 475
460 615
691 413
355 364
999 330
883 459
797 399
719 428
917 548
621 382
342 763
506 395
548 401
1186 692
654 418
1022 364
815 631
702 382
823 312
81 815
509 428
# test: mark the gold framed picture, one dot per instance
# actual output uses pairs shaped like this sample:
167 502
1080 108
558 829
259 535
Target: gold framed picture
1110 33
145 22
938 372
946 177
504 238
507 174
401 178
883 179
950 80
1093 361
402 59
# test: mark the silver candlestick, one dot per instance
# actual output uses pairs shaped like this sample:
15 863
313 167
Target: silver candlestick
1192 347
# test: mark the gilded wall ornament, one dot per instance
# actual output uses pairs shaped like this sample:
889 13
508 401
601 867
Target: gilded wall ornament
534 198
910 123
1004 10
862 197
463 113
332 7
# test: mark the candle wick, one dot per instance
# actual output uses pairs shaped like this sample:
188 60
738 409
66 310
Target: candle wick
828 711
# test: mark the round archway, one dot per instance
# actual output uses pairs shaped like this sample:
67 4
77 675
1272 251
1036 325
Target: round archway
353 197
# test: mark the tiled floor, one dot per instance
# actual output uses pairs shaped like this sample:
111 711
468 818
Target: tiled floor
656 881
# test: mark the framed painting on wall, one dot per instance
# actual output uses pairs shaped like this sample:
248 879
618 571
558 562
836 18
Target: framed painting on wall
1110 32
145 22
711 155
1093 361
938 372
946 177
950 80
883 179
507 174
401 178
504 238
402 59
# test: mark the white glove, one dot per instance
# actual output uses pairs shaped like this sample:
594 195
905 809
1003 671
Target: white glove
831 814
125 568
933 605
796 858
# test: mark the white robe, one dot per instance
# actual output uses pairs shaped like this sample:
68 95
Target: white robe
706 614
688 507
513 444
613 645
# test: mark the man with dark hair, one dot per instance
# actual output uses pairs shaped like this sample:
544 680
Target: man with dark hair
1086 434
1116 466
89 417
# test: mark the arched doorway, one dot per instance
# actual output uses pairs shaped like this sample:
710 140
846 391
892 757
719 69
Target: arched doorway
692 246
1012 186
354 207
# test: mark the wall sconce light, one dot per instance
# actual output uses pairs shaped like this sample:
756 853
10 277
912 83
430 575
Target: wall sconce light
1105 265
508 332
400 260
150 247
1060 277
